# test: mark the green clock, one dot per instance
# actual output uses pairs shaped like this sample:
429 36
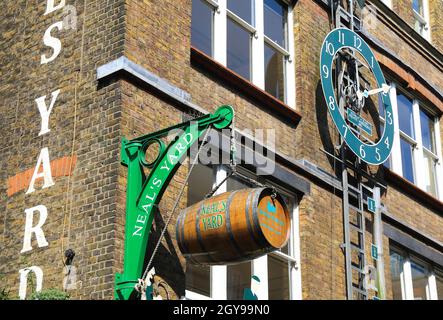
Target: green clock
347 120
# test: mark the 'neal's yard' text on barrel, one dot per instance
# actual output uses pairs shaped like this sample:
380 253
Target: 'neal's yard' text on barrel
233 227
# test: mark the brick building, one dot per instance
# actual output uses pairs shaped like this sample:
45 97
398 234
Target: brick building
77 76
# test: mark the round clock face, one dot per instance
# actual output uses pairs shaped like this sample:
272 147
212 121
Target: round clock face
350 121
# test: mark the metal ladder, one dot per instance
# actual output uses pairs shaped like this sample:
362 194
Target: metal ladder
354 234
355 191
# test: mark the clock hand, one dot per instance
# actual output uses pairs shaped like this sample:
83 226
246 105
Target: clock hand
384 88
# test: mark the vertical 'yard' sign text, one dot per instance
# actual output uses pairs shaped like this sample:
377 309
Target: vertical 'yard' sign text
36 217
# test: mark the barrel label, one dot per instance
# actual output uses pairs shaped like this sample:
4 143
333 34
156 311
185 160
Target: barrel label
212 222
269 214
215 207
211 216
273 220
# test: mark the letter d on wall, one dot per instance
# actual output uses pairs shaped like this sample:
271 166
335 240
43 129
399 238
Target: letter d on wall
24 280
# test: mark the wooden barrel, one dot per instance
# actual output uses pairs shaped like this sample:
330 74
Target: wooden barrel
233 227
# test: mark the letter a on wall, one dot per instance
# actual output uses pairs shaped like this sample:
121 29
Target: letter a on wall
46 174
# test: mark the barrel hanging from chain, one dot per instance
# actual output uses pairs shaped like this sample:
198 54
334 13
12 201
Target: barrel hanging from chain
233 227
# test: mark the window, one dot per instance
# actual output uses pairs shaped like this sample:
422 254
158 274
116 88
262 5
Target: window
439 282
419 9
412 278
430 157
275 22
239 49
396 275
417 153
250 37
419 276
407 142
279 276
238 275
239 278
202 28
201 180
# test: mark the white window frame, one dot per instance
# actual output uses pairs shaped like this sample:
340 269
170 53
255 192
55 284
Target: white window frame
406 276
433 284
402 273
258 39
259 266
419 149
424 20
388 3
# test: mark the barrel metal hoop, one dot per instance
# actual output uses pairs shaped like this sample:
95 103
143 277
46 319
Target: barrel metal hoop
257 194
228 225
199 236
182 241
248 222
180 231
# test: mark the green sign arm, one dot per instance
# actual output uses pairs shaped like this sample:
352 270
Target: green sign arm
144 194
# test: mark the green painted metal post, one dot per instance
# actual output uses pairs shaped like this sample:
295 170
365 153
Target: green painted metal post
143 195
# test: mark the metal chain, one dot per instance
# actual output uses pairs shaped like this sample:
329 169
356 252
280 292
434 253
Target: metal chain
233 167
233 151
232 161
176 204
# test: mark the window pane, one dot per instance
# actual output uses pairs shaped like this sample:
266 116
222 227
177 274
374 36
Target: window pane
430 174
396 272
427 131
239 50
200 183
417 5
439 280
407 160
198 279
278 279
243 9
239 278
405 117
275 21
201 26
274 73
419 281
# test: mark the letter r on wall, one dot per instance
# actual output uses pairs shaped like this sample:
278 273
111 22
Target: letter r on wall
29 229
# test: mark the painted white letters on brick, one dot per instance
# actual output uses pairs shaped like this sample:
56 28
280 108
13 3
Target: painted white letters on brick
50 7
43 159
24 280
55 44
52 42
45 112
37 229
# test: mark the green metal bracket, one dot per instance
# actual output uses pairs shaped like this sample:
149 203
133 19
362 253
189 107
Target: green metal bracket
144 194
